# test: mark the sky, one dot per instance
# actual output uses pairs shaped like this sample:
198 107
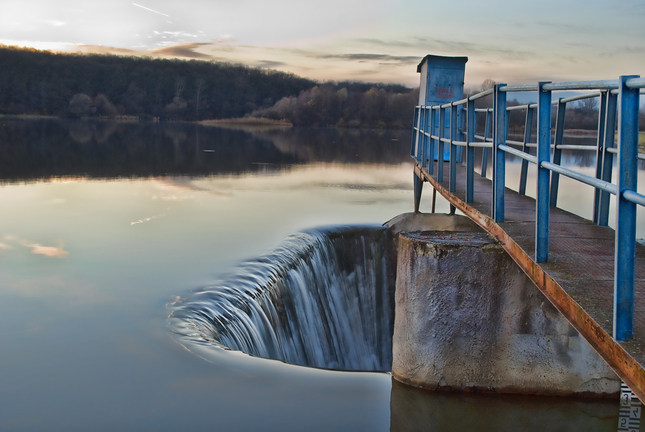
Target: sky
515 42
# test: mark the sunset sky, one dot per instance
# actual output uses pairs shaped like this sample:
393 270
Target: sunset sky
375 40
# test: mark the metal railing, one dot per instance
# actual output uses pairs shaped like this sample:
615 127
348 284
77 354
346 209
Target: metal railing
618 110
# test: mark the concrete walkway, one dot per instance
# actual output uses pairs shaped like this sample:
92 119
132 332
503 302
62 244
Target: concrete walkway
578 279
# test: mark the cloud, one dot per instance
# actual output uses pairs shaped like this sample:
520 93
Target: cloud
100 49
183 50
173 197
36 248
269 64
446 45
148 219
50 251
55 23
363 57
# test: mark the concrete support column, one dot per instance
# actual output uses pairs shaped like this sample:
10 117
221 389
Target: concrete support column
468 319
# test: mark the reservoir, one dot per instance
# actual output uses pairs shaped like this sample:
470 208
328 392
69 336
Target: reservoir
105 228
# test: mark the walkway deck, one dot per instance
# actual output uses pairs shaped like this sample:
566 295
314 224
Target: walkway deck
578 279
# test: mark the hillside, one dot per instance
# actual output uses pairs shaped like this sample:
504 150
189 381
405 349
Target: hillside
79 85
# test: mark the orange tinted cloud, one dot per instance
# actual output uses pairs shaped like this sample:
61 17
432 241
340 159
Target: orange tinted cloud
49 251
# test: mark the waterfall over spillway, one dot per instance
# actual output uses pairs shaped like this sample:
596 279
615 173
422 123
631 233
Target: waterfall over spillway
323 299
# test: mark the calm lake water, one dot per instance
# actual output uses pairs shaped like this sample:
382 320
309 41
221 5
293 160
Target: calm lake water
104 225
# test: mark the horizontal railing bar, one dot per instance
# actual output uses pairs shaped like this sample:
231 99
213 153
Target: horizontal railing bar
517 107
519 88
483 110
518 153
576 147
641 156
481 95
478 144
635 83
612 150
579 97
460 143
446 140
583 85
591 181
508 141
481 137
634 197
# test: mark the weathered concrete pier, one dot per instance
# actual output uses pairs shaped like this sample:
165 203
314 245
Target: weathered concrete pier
468 319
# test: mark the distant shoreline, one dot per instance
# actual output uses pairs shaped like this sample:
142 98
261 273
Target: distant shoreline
28 116
246 121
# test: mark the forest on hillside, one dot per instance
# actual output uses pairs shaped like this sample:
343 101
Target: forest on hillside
86 85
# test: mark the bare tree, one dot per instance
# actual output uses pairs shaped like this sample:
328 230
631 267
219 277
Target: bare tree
487 84
200 86
590 104
180 85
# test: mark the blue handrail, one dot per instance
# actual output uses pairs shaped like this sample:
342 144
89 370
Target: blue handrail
618 108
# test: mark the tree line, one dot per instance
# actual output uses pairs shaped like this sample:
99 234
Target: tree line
86 85
343 105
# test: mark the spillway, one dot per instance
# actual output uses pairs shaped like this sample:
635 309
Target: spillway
323 299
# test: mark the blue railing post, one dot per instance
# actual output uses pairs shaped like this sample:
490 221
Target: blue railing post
470 151
426 139
452 179
557 153
415 134
441 132
499 157
608 158
600 151
431 126
528 128
626 211
460 133
487 134
542 195
423 126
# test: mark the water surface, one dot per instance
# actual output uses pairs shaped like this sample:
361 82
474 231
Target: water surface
104 226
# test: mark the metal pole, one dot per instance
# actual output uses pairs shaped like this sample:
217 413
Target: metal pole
470 151
528 129
557 153
418 188
487 134
432 121
442 122
434 199
626 212
543 154
608 159
499 157
600 152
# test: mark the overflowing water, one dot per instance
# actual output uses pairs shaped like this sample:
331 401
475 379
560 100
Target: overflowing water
323 299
